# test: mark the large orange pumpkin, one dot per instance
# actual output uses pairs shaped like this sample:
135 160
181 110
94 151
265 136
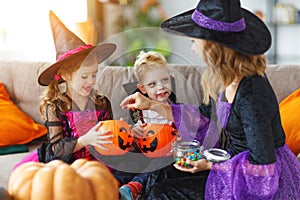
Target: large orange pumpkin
122 140
57 180
157 140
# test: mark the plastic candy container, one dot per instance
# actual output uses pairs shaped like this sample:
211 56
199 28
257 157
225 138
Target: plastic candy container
183 150
216 155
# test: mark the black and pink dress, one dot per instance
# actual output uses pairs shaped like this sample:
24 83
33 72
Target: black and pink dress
64 128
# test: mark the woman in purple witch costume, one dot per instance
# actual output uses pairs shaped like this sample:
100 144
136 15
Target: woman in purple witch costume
239 98
72 113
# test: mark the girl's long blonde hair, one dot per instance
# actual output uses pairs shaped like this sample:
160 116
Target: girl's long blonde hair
224 65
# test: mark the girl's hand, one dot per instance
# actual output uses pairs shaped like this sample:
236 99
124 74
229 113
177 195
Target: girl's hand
96 137
138 130
136 101
140 102
197 166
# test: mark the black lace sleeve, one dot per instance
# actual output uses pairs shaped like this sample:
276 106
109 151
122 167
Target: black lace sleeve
58 146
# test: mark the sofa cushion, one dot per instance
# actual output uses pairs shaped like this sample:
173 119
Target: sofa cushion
284 79
20 80
15 126
290 117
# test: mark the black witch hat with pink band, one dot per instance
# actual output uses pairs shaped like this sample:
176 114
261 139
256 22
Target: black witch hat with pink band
224 22
70 50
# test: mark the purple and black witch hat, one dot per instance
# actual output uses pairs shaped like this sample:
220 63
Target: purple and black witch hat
224 22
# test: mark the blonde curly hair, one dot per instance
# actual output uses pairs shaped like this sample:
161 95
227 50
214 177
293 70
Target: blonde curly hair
149 61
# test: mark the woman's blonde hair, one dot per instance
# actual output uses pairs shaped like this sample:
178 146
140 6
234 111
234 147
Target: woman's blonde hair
53 95
224 65
149 61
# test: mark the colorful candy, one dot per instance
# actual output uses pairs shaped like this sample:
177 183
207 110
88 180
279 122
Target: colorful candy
183 154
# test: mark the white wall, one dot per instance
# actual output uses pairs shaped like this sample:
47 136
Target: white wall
181 45
25 32
40 43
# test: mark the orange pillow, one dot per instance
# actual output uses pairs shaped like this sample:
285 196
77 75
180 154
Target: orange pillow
15 126
290 118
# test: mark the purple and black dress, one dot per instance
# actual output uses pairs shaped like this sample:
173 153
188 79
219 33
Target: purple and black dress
261 165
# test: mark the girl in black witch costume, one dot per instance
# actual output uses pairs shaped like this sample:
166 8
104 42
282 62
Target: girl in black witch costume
239 99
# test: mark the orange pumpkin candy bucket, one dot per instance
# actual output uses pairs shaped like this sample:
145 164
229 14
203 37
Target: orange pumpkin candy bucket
157 140
122 140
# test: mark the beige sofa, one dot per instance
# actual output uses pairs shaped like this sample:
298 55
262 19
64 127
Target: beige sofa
20 79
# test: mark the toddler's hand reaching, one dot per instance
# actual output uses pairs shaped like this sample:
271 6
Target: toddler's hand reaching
96 137
139 130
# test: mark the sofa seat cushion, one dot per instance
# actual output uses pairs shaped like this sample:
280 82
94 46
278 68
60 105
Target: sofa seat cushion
16 127
290 117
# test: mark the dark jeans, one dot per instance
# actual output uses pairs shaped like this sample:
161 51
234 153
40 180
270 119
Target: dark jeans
172 184
145 170
125 177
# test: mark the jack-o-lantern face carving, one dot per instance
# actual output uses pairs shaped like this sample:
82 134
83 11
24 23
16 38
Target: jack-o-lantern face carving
122 140
157 140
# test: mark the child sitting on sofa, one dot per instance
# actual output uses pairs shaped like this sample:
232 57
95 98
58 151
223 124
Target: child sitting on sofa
72 115
154 81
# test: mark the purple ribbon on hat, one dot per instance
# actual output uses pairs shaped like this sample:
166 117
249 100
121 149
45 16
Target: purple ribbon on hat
212 24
